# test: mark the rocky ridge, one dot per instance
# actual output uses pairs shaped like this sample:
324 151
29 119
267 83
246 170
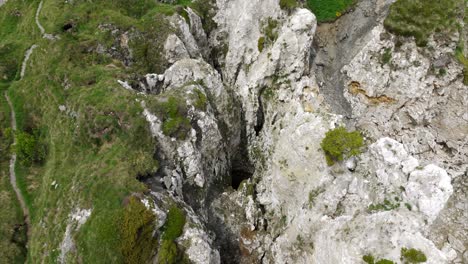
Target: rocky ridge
292 203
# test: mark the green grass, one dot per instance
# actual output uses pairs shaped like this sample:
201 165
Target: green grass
369 259
387 205
412 255
420 18
329 10
288 4
100 145
461 56
137 226
339 144
172 229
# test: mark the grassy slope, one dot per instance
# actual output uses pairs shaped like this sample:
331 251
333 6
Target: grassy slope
99 145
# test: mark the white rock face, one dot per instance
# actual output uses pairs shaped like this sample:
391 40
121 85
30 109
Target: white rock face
429 189
298 209
75 220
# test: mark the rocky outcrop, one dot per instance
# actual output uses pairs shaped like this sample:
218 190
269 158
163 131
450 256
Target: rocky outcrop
265 116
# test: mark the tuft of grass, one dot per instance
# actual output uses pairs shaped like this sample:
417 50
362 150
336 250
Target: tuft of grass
270 34
385 206
339 144
173 113
412 255
200 100
421 18
288 4
261 43
172 229
136 230
386 56
329 10
461 57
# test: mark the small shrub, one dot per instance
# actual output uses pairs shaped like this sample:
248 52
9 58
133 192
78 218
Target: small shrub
339 144
29 147
136 231
412 255
386 56
261 43
369 259
175 123
288 4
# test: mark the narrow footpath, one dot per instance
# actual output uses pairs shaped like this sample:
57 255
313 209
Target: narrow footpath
13 182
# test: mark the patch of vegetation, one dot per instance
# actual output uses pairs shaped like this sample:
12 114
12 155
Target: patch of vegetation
206 11
421 18
172 229
29 147
385 261
312 195
329 10
461 56
200 100
270 34
369 259
136 231
412 255
261 43
385 206
175 123
386 56
95 148
248 187
339 144
288 4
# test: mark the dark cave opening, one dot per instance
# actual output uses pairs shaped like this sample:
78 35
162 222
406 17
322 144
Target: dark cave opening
238 175
67 26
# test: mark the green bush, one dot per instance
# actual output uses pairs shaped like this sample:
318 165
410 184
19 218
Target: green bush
288 4
29 148
137 227
329 10
412 255
421 18
369 259
173 112
339 144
